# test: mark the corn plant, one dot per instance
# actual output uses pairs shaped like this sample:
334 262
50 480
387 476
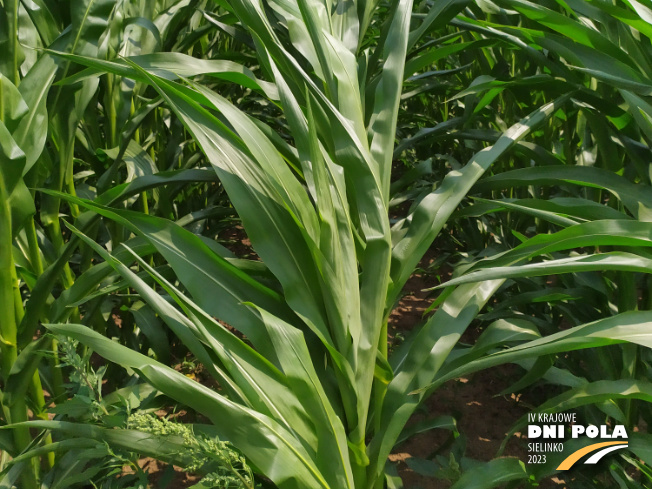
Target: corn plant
307 390
24 81
45 131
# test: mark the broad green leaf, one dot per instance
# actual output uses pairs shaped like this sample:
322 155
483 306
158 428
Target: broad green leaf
297 365
440 422
13 160
255 379
89 20
170 66
45 19
434 210
621 233
593 393
12 104
272 227
417 63
641 445
387 95
599 391
150 326
12 164
215 284
271 448
630 327
420 357
562 210
634 196
629 262
533 209
63 445
143 443
89 280
440 13
570 28
23 370
32 130
148 182
492 474
336 253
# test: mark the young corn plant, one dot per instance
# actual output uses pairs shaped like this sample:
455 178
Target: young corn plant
24 84
307 390
45 132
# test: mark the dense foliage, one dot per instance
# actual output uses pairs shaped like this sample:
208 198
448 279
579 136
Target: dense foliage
337 143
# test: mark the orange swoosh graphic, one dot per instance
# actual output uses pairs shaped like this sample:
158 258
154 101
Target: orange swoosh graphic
575 456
